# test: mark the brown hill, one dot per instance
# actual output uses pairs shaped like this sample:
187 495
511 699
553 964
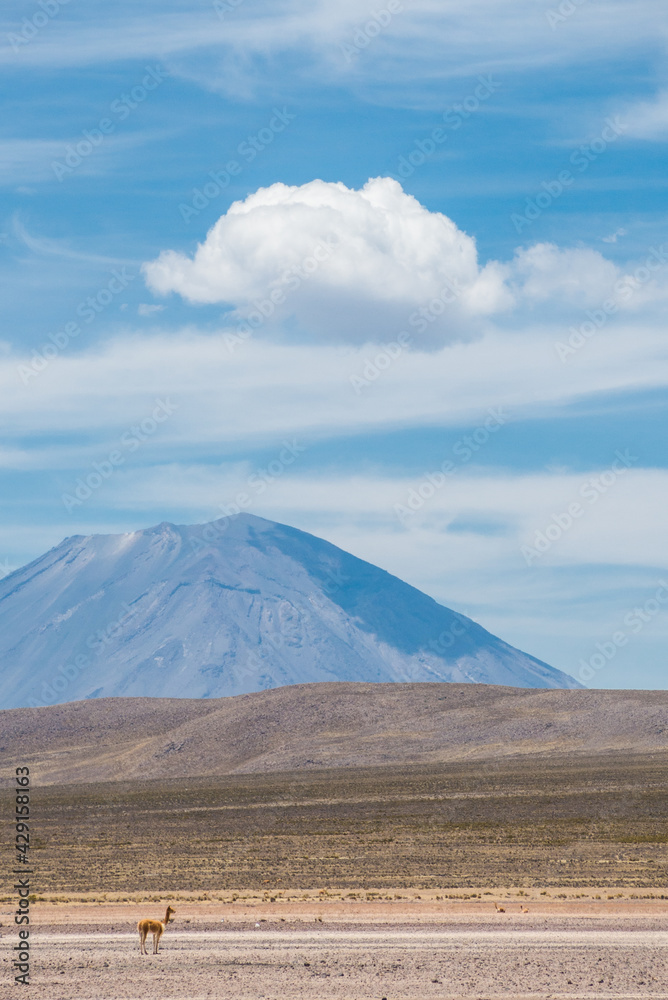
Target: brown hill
313 726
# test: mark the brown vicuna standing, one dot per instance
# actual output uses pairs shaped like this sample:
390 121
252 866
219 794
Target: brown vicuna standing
154 927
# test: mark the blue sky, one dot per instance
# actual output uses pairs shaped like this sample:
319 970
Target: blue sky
519 151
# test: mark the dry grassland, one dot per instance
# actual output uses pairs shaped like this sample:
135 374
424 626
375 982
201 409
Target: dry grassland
366 833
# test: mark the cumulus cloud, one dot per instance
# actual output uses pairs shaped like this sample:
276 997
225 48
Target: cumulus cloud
326 263
346 264
579 276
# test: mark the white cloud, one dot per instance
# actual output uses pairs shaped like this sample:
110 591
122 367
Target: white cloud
648 119
427 39
27 159
349 265
44 246
579 276
264 390
32 160
146 309
360 266
358 512
613 237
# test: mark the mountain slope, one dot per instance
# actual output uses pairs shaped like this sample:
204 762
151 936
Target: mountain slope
239 605
312 726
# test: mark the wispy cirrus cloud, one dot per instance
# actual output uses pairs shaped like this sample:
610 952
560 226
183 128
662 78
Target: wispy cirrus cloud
448 387
32 160
46 246
649 119
516 35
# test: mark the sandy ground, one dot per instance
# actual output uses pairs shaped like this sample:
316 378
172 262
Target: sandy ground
322 950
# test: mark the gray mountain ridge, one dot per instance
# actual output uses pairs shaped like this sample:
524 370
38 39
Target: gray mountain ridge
239 605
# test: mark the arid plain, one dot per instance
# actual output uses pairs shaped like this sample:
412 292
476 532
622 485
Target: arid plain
349 841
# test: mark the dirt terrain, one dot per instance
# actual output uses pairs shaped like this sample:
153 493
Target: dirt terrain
313 726
511 822
320 949
351 843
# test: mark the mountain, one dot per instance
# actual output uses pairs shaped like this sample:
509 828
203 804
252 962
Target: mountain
239 605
